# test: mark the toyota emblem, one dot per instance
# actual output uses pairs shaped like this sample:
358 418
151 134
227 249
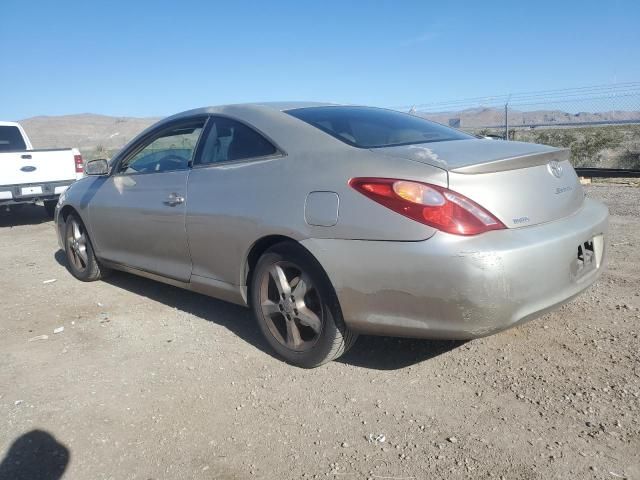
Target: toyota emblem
555 168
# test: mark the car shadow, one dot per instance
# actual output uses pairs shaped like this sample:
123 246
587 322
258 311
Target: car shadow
235 318
392 353
36 455
23 215
378 353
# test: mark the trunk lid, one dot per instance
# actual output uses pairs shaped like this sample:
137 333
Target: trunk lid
520 183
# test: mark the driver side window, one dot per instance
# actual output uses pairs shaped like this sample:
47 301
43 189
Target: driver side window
170 150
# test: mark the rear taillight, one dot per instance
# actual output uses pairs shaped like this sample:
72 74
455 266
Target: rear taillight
432 205
79 163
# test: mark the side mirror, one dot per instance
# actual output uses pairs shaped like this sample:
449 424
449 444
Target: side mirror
97 167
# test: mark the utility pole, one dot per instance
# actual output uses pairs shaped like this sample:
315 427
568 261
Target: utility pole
506 121
506 118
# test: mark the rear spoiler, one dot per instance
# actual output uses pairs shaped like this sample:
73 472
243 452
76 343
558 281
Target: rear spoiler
515 163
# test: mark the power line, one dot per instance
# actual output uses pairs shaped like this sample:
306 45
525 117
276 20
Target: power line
542 93
631 94
590 92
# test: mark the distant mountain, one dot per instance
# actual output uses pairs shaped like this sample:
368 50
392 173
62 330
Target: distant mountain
85 131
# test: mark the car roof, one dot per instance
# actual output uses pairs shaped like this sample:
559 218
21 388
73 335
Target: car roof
268 118
283 106
250 107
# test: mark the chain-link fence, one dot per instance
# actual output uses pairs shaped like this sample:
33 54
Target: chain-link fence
600 124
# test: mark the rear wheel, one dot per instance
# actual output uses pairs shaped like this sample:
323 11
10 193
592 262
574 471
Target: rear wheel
296 307
50 207
81 260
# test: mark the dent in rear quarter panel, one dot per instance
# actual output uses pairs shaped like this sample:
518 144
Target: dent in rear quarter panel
409 288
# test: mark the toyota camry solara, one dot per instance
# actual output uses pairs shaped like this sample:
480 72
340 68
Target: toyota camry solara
331 221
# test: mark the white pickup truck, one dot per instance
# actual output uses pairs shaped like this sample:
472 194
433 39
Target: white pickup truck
30 176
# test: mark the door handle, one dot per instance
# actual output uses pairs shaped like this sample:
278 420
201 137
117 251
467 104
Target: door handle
174 199
25 156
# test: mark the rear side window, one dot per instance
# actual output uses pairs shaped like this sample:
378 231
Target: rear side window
11 139
229 140
368 127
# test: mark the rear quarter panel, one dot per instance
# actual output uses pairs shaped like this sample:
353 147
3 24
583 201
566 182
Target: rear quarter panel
231 206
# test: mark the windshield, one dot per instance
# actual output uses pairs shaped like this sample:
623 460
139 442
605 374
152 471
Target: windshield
369 127
11 139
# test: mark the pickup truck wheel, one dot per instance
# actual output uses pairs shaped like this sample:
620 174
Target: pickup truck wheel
50 207
81 260
296 307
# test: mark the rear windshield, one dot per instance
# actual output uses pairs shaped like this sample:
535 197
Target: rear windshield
11 139
369 127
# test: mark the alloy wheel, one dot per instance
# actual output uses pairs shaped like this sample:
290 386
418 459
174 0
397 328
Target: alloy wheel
291 306
77 245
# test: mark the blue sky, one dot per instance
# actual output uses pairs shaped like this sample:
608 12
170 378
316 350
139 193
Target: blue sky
143 58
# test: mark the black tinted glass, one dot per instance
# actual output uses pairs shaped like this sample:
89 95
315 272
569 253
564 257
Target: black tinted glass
368 127
11 139
229 140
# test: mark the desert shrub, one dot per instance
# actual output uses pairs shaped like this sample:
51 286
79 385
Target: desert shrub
615 146
99 152
586 151
630 160
586 144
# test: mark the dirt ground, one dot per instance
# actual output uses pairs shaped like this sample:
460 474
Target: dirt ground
151 382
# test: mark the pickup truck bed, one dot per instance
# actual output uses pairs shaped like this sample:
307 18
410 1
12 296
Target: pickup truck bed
34 175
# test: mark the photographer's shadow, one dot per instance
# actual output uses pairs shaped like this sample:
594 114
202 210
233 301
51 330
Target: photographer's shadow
36 455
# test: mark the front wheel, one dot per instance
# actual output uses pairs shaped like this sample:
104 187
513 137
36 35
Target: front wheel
81 260
296 307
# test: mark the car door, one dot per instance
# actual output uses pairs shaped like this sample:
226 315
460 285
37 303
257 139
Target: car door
137 214
224 211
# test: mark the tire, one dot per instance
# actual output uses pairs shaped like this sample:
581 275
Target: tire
50 207
81 259
306 331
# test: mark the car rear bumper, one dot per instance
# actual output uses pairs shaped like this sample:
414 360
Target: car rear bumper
463 287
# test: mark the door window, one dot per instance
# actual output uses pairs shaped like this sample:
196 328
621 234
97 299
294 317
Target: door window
170 150
229 140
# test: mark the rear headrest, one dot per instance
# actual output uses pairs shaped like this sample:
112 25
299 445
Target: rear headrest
223 131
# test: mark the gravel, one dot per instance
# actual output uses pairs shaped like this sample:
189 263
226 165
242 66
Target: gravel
149 381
